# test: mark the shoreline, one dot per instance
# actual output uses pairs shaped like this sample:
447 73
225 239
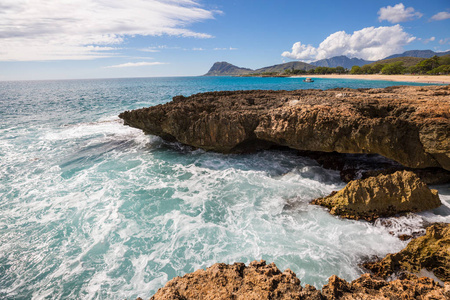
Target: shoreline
442 79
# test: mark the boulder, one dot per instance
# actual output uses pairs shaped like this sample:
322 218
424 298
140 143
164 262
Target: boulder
381 196
430 252
407 124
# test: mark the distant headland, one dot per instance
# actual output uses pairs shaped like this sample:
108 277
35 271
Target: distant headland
425 62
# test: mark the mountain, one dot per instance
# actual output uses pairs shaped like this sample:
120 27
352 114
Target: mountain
407 61
226 69
223 69
419 53
342 61
295 65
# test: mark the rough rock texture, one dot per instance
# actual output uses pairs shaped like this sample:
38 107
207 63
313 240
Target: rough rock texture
260 281
221 281
381 196
361 166
367 287
407 124
431 252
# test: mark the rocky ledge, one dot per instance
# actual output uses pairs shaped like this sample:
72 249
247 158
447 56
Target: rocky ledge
381 196
430 252
261 281
407 124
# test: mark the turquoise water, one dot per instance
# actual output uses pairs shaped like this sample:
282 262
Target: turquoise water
92 209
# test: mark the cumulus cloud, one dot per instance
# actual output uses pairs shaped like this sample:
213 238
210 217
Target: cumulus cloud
444 41
137 64
398 13
443 15
88 29
431 39
371 43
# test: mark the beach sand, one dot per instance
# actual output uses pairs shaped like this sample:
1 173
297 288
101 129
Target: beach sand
445 79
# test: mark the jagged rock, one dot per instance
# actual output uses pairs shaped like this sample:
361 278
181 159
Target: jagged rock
260 281
407 124
431 252
381 196
369 288
222 281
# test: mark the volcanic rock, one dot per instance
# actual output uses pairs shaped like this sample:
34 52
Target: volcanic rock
260 281
430 252
381 196
407 124
222 281
369 288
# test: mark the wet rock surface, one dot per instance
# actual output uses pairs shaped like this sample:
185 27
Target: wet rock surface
407 124
381 196
430 252
262 281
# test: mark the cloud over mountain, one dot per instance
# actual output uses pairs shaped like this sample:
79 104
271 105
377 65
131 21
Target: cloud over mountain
87 29
371 43
398 13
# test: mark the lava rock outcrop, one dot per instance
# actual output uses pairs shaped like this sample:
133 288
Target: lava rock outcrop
381 196
430 252
260 281
408 124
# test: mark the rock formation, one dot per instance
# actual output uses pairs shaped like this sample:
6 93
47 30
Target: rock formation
222 281
381 196
260 281
430 252
368 287
407 124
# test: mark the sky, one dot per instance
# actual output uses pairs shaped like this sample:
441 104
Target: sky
75 39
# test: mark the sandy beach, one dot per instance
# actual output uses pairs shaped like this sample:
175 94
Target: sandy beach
445 79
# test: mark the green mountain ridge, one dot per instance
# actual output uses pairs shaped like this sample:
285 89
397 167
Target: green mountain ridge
409 58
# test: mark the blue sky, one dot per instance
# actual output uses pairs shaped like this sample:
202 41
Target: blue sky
52 39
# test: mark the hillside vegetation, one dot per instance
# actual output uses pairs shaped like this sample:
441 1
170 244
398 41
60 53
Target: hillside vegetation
403 65
408 61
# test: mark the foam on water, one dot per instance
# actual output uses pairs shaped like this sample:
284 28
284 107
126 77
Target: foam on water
95 210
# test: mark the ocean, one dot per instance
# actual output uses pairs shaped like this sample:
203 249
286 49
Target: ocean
93 209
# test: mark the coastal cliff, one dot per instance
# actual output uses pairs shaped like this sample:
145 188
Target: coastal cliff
410 125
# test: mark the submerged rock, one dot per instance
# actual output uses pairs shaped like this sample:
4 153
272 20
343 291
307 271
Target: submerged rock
259 281
430 252
407 124
381 196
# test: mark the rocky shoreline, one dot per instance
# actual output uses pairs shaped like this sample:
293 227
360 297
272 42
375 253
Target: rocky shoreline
406 129
407 124
259 280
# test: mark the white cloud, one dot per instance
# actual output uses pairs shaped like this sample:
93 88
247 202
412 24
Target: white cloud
87 29
368 43
137 64
398 13
444 41
431 39
230 48
443 15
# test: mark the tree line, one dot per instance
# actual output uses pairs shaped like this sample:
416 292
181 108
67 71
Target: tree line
433 66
